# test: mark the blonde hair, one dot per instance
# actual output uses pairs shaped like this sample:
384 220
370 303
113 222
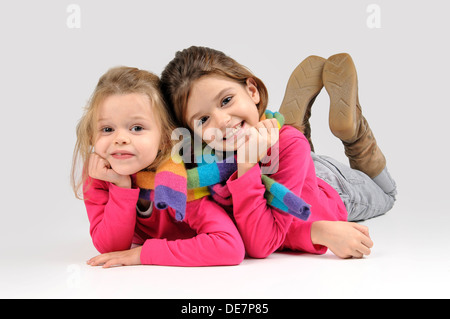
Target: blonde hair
118 80
195 62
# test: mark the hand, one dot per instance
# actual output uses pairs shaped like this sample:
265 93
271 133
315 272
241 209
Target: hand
117 258
344 239
99 168
259 139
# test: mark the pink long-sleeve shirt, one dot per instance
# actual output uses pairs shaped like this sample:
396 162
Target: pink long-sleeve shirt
265 229
206 237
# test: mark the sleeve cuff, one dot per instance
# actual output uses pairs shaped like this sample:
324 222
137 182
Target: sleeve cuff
146 213
124 193
253 175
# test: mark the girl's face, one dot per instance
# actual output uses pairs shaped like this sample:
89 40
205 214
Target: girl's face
220 110
128 135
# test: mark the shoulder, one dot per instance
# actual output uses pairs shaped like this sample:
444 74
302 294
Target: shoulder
291 137
288 131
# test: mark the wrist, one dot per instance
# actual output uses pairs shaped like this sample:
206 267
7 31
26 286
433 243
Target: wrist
124 182
317 230
244 168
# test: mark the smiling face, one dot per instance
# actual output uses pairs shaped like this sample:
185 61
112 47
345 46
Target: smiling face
220 110
127 133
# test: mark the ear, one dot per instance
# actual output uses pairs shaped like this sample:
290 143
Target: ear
252 90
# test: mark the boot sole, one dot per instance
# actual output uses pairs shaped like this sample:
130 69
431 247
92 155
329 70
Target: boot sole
341 82
302 88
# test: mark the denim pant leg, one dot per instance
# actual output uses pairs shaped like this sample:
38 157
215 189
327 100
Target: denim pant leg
362 197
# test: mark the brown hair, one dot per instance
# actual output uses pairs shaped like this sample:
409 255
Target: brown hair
193 63
119 80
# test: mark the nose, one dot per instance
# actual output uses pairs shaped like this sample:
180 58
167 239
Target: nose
121 138
222 119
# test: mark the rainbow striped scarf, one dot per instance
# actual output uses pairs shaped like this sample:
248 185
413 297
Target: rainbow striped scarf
173 185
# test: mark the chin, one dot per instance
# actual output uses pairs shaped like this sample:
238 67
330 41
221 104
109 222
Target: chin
124 170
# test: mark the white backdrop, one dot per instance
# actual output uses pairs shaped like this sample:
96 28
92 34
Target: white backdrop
53 52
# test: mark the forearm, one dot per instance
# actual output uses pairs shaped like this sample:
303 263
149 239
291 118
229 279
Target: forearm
112 216
218 249
318 233
244 168
217 242
262 227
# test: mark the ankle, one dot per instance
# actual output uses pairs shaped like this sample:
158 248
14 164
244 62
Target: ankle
386 182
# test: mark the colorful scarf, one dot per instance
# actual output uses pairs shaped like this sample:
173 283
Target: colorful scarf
173 185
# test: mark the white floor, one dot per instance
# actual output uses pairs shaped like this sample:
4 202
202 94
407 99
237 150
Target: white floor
49 74
410 259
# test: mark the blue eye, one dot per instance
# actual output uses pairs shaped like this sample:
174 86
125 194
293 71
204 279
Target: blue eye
107 129
137 128
202 120
226 100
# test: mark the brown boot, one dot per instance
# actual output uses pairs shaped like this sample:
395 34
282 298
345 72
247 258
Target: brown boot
346 120
302 89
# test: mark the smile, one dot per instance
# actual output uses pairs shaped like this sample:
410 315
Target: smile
233 131
122 155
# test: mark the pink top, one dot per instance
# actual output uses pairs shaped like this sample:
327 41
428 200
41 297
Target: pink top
206 237
265 229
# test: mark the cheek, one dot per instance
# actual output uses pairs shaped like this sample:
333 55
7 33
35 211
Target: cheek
150 147
254 116
100 146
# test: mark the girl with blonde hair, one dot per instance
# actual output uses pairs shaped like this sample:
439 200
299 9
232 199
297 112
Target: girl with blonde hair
125 134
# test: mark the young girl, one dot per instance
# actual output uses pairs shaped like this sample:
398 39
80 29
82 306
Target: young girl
206 89
126 130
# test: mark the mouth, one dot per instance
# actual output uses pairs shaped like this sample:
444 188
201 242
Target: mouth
122 155
233 132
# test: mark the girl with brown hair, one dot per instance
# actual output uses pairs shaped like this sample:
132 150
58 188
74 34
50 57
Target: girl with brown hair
207 90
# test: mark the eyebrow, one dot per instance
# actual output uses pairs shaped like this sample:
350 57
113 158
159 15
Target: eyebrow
218 95
132 118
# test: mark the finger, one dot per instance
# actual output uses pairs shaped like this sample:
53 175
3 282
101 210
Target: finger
263 124
269 124
358 254
92 163
112 262
96 165
259 125
240 141
95 261
274 136
366 241
363 250
363 229
274 123
100 259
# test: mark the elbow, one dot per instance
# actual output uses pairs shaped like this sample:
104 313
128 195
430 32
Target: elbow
101 247
263 243
239 256
233 253
259 250
236 257
258 253
106 246
235 260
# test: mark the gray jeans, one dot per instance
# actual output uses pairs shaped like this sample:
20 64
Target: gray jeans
363 197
